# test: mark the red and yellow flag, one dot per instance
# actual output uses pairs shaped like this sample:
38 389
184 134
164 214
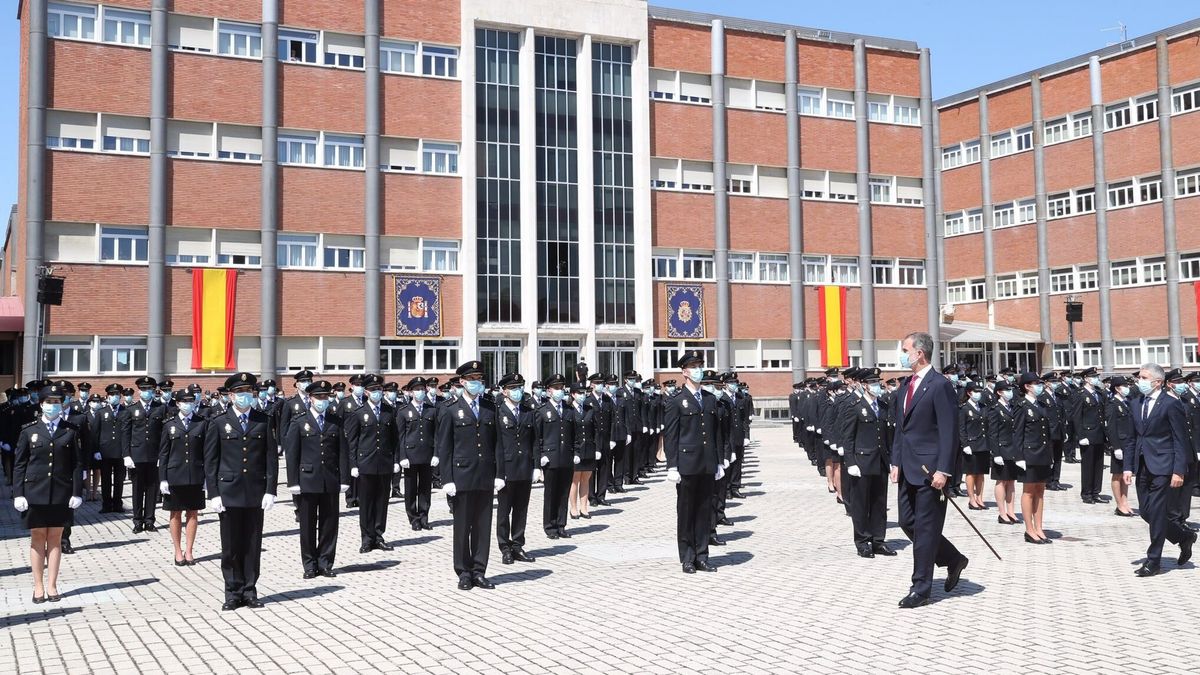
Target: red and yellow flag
831 305
214 294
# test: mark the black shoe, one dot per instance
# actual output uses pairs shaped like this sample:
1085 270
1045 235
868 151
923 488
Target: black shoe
737 494
364 549
230 605
416 527
139 528
1185 550
67 549
1147 570
181 563
714 540
1088 499
726 522
704 567
574 516
591 502
53 598
1031 540
959 492
252 603
1102 499
327 573
522 556
563 534
507 558
689 568
352 504
585 516
552 535
913 600
976 508
464 583
1070 460
38 601
865 552
384 546
308 574
396 494
480 581
602 502
953 573
426 526
105 509
880 548
635 481
1123 514
151 528
839 500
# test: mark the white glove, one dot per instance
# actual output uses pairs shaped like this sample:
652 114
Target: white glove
795 419
294 489
1021 464
128 462
810 428
215 505
645 430
751 418
435 461
660 428
164 487
21 504
395 468
966 449
628 438
1117 454
612 444
497 485
819 431
343 488
855 471
74 502
545 461
841 451
673 475
998 460
537 476
597 455
725 464
733 456
267 502
576 459
405 463
354 472
96 457
450 489
720 472
1084 441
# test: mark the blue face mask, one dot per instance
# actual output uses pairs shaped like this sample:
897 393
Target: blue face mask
392 396
166 397
557 394
302 386
128 400
538 391
670 390
320 404
1006 394
1145 387
1038 389
357 391
474 387
1180 388
271 391
419 396
708 387
875 389
114 400
146 395
33 397
84 396
186 409
52 410
695 374
976 396
515 395
243 400
262 395
23 400
375 395
905 360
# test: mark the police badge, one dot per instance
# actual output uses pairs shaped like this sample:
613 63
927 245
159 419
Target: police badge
307 428
685 403
33 438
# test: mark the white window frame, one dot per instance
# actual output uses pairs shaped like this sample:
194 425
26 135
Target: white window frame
129 27
108 347
1004 215
952 157
1189 267
666 352
665 265
440 356
697 265
1187 183
1124 273
883 271
134 237
1118 116
436 58
910 273
741 266
59 14
773 268
816 269
1003 144
439 158
75 347
1185 98
341 151
882 189
844 271
405 52
308 143
440 256
308 41
305 246
245 35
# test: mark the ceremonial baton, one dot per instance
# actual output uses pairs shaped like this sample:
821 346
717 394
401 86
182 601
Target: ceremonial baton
960 512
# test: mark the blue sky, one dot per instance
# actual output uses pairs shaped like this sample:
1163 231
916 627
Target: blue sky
972 43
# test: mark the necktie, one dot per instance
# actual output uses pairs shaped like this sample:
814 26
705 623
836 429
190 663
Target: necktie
1145 408
875 408
912 387
244 417
186 421
321 422
699 399
53 425
475 407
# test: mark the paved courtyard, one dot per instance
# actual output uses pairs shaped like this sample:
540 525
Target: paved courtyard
790 596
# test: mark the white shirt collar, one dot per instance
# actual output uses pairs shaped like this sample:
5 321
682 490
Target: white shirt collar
924 371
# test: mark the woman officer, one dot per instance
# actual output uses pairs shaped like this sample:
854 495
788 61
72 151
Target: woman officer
1036 456
972 437
1001 421
181 469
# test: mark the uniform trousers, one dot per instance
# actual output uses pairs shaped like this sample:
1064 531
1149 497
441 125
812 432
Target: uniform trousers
693 516
868 508
512 513
318 513
373 493
1091 468
616 477
472 528
1057 462
602 475
554 499
241 548
112 483
735 469
418 487
145 492
922 514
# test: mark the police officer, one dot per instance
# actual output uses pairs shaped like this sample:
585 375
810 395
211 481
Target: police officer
297 404
371 436
605 410
416 423
556 446
629 412
391 396
318 469
515 418
1031 436
105 434
1087 419
473 469
1120 436
693 462
141 425
867 456
181 472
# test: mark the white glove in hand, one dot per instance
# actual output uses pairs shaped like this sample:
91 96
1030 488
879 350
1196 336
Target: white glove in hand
545 460
164 487
74 502
294 489
1084 441
354 472
795 419
720 472
395 468
998 460
855 471
215 505
966 449
612 444
343 488
628 438
497 485
597 455
1021 464
21 504
645 430
810 428
673 475
128 462
96 457
267 502
733 457
725 464
450 489
405 463
1117 454
576 458
537 475
841 451
819 431
435 461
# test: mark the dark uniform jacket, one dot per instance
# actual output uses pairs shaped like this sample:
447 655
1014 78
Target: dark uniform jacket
1118 426
181 451
587 428
317 459
240 467
468 448
415 430
866 439
1087 416
604 415
555 436
1001 429
48 471
690 434
629 412
140 430
1032 434
371 439
294 406
516 436
972 427
104 432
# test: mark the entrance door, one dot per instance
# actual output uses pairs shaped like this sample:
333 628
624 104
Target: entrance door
615 356
557 356
499 357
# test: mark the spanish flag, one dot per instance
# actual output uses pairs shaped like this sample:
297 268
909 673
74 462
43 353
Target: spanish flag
831 305
214 294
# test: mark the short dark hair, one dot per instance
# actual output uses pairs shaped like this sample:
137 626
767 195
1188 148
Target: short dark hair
923 342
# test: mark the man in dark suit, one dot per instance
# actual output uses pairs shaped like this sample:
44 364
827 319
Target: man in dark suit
415 422
694 462
1158 462
371 437
241 467
141 425
923 458
556 446
318 469
472 464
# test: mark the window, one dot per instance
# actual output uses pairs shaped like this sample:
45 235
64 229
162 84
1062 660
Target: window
439 158
126 134
741 267
844 271
810 102
1029 284
879 111
70 130
1026 211
123 355
975 220
665 355
956 292
839 104
1120 194
344 151
1183 99
1024 139
123 244
666 266
1055 131
1003 215
906 111
297 46
1154 271
397 355
239 39
816 269
769 96
63 357
697 176
1146 109
439 61
439 256
1150 189
912 273
663 84
1189 267
1081 125
1116 116
883 272
695 88
881 190
296 250
1158 351
126 27
698 266
1062 280
1088 278
741 186
978 289
238 143
1124 273
952 157
298 149
1006 286
909 191
344 257
1058 206
1085 200
772 267
398 57
1187 183
439 356
344 51
843 187
1127 354
236 248
71 21
189 139
188 246
971 152
1003 145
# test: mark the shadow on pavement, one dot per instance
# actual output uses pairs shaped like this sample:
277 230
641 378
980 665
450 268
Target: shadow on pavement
97 588
588 529
107 544
300 594
515 577
31 617
732 558
367 567
552 551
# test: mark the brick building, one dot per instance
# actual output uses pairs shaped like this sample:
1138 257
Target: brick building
555 165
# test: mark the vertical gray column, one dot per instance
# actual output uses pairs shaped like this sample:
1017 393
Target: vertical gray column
35 186
929 202
985 184
371 228
1167 159
1103 265
795 207
940 216
157 244
862 143
721 198
269 310
1039 197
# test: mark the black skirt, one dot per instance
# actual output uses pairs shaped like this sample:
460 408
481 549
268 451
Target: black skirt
1035 474
184 498
46 515
1116 466
977 463
1008 471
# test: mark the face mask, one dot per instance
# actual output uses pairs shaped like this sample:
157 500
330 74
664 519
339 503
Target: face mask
357 391
128 400
709 388
557 395
954 378
392 396
1006 394
376 395
695 374
52 410
515 395
33 397
243 400
320 404
1123 391
1010 378
539 392
340 395
976 396
612 390
1180 388
1145 387
671 390
457 391
94 405
114 400
84 396
23 400
905 361
733 388
474 387
579 397
875 389
1038 389
186 409
271 391
262 395
419 396
166 397
302 386
67 399
146 395
431 393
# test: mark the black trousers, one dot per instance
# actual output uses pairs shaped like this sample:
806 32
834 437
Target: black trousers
847 486
602 475
7 459
719 498
735 469
398 480
512 513
1057 462
1154 495
1091 467
352 493
241 548
472 528
112 483
922 515
145 492
616 477
555 495
373 493
318 513
1070 448
1182 507
868 509
418 486
634 453
693 516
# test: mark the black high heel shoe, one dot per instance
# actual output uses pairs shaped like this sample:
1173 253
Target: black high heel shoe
574 516
1031 540
38 601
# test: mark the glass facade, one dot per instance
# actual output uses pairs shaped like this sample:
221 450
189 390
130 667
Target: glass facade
612 158
498 176
557 180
